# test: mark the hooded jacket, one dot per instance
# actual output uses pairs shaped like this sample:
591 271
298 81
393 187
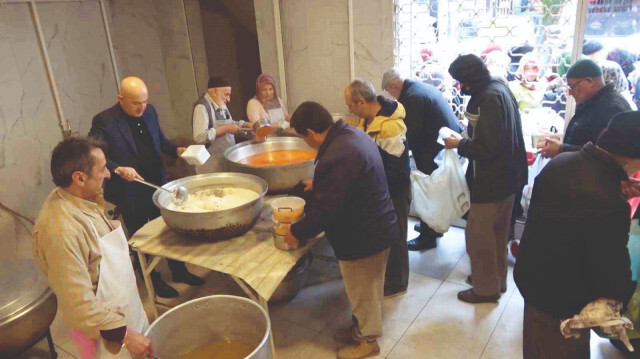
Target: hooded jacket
388 131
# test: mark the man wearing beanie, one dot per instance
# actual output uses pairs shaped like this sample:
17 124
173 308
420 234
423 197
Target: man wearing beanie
597 104
499 170
574 247
213 125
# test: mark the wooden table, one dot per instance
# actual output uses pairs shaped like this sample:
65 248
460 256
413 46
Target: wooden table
252 260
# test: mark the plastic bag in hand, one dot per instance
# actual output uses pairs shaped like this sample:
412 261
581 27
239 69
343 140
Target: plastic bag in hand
442 197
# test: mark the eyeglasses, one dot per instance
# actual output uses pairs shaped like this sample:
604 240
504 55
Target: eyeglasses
575 84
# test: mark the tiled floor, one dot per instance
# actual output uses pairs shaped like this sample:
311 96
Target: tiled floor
427 322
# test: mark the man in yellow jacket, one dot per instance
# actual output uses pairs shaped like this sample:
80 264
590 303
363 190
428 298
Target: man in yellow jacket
383 120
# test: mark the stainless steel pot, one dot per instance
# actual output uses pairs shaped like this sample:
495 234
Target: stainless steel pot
27 307
279 178
218 224
211 319
294 281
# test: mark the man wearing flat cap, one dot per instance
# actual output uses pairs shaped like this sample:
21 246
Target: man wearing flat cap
213 125
574 247
499 170
597 104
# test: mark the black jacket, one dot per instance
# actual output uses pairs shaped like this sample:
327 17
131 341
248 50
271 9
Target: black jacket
427 112
352 203
497 147
592 116
111 127
574 247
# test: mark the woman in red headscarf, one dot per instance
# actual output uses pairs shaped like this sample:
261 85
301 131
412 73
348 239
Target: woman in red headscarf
267 104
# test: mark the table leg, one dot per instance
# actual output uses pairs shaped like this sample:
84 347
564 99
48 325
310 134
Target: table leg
146 270
245 288
263 303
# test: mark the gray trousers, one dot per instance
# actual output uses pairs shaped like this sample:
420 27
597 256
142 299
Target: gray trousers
487 233
397 274
542 339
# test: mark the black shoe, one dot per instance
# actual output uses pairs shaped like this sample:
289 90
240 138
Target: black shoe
183 276
162 289
389 293
470 282
416 227
419 244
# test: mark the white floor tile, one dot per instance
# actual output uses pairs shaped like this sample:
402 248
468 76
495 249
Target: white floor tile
506 340
438 262
290 338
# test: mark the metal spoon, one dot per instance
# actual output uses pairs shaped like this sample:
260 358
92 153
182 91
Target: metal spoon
179 195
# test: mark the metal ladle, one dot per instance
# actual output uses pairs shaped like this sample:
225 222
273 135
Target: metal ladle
178 196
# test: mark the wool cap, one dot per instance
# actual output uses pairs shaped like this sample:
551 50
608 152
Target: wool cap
469 69
218 81
591 47
584 68
621 137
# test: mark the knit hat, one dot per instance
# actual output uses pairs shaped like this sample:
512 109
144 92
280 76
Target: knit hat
590 47
469 69
584 68
218 81
621 137
389 76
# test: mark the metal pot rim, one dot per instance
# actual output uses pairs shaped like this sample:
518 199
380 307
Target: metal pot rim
265 338
233 148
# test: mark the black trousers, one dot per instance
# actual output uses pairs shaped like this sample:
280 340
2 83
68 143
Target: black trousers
542 338
141 210
397 273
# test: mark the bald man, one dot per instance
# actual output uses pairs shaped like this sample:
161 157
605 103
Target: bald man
135 148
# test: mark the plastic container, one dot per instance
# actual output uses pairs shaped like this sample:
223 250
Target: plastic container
196 155
288 209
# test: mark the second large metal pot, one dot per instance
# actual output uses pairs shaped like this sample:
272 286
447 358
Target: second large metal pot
280 178
217 224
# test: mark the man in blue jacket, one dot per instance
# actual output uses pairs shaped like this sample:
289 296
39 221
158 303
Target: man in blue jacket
353 207
135 147
427 112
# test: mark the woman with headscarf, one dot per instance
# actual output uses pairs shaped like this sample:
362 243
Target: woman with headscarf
613 74
267 104
529 85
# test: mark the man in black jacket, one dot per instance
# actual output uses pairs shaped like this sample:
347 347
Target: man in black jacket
353 207
574 247
499 171
135 147
427 112
597 104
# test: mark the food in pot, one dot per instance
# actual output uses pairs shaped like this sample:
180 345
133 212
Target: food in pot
225 349
215 199
278 158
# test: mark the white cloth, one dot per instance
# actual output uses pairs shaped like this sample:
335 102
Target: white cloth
117 286
202 134
276 117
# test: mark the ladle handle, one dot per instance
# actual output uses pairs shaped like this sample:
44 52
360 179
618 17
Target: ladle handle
147 183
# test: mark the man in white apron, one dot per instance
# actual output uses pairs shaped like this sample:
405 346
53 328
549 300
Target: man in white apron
85 257
213 125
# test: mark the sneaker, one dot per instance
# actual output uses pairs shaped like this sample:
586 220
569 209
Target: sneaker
469 281
469 296
344 335
359 349
419 244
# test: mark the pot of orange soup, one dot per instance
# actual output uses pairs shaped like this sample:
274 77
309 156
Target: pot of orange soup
281 161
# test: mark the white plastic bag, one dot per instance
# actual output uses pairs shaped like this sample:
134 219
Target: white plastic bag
442 197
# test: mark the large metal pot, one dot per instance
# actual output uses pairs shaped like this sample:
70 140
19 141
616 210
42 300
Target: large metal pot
279 178
218 224
208 320
294 281
27 307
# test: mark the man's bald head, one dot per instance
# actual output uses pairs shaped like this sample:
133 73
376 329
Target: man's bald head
133 96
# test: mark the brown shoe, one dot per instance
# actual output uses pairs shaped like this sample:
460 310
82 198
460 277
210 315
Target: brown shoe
359 349
344 335
469 281
470 297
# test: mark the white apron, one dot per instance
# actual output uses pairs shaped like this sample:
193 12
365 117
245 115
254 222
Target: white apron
215 163
276 117
116 289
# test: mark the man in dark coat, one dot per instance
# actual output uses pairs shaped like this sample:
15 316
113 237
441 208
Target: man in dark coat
135 147
427 111
597 104
574 247
499 169
351 204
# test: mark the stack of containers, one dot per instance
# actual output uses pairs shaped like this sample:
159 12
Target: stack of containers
286 211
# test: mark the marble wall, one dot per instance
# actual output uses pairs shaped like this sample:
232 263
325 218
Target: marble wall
373 38
158 40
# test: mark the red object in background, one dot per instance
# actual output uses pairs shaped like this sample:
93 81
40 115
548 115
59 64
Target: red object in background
531 158
635 201
425 54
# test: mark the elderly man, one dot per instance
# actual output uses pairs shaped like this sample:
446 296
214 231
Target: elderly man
427 112
383 121
597 104
499 170
574 247
135 147
352 206
213 125
85 256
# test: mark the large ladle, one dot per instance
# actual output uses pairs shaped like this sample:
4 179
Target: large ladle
178 196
